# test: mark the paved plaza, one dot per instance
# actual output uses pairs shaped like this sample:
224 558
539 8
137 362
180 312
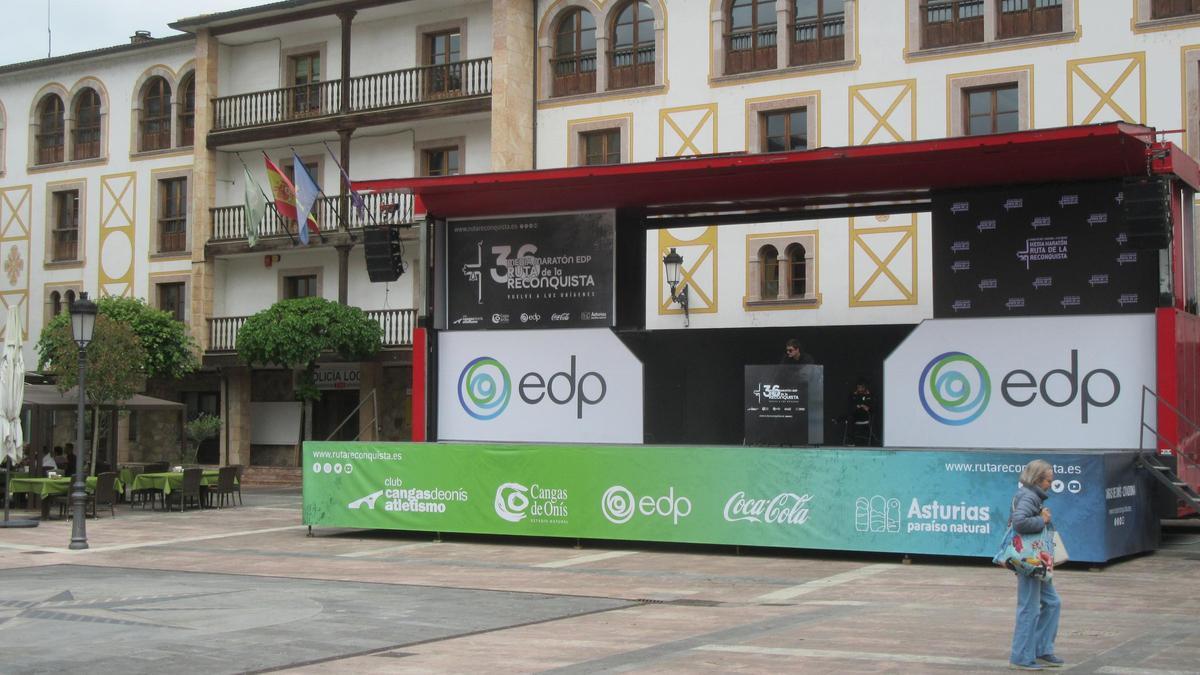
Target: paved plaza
247 590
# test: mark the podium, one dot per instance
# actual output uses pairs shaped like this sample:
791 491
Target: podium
784 405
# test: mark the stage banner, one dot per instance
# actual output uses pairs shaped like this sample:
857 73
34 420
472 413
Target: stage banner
543 271
538 385
1038 250
919 501
1031 382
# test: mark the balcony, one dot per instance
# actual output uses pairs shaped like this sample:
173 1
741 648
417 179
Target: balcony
397 325
378 98
382 208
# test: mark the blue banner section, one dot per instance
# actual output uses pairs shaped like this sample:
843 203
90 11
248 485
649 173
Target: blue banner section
940 502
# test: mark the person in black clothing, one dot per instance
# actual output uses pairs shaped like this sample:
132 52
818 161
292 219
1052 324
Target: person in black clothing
794 354
860 407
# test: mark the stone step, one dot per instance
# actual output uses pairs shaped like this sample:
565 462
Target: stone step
273 476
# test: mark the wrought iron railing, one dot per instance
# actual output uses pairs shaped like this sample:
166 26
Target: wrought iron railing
377 91
229 222
397 325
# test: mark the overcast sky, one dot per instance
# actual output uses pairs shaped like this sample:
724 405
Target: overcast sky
82 25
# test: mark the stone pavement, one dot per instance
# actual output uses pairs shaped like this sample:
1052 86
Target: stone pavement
245 589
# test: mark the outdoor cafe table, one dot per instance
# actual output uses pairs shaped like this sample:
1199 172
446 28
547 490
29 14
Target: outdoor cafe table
53 487
170 480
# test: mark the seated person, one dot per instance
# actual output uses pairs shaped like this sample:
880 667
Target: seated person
48 462
860 407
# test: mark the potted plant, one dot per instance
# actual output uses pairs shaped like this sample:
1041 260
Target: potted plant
198 430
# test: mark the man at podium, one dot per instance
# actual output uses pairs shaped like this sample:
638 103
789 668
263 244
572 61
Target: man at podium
794 354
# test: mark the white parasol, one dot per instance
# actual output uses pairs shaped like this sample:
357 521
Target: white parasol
12 389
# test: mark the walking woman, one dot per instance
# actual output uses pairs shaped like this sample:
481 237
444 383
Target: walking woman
1038 605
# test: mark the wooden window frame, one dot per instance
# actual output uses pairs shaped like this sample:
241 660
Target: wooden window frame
761 57
757 108
577 128
993 114
581 76
824 47
187 111
86 140
60 242
1025 18
286 275
956 30
607 150
1173 9
180 314
421 156
783 268
441 80
154 132
628 65
50 146
175 240
958 84
304 99
787 135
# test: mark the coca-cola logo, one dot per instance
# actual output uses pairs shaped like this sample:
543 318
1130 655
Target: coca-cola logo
785 508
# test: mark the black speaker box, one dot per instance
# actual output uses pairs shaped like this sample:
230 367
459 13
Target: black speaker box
382 252
1146 207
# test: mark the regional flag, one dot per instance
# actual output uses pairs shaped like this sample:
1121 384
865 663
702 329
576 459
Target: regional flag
307 191
256 206
285 198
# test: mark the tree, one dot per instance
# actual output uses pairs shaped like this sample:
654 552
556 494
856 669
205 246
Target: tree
198 430
131 341
294 333
115 365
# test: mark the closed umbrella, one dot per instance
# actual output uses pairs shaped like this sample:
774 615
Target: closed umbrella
12 395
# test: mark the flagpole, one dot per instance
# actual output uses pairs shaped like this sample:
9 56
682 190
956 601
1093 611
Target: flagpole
321 192
264 195
346 180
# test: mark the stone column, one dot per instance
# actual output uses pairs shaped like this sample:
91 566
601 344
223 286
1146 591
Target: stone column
370 380
784 276
602 63
203 188
783 34
512 85
343 254
235 442
989 20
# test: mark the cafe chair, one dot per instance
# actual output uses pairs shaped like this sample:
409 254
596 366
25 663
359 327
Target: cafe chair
189 491
237 486
105 494
226 486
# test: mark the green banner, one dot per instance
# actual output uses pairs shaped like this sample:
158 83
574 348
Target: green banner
914 501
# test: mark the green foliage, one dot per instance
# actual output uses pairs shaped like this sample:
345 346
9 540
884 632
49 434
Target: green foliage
169 348
293 333
115 359
198 430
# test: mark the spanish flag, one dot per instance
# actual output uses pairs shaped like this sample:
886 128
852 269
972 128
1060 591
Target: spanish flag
285 198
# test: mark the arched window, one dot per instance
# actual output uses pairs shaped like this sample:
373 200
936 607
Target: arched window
574 63
155 123
70 298
85 132
818 31
768 265
632 57
187 111
752 37
56 305
50 130
797 271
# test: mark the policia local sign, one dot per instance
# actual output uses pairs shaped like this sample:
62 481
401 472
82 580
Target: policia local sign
547 271
920 501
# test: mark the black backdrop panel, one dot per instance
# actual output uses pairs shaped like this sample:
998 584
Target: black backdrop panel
1039 250
551 271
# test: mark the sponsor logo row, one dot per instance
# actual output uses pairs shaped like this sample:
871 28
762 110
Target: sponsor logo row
536 503
503 318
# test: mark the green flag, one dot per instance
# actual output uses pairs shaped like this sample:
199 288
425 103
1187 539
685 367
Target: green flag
256 206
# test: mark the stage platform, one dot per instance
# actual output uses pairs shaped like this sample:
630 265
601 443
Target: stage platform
900 500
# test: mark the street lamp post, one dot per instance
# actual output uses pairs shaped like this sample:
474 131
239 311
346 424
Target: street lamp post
83 322
672 262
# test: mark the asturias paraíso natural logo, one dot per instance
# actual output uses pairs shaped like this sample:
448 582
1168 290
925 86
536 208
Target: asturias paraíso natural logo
484 388
955 388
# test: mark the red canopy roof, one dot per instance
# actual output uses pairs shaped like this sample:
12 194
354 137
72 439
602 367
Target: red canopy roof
868 175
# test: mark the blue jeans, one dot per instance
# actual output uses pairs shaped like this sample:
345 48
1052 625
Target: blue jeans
1038 608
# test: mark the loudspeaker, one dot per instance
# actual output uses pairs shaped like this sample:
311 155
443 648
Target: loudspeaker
1146 208
383 253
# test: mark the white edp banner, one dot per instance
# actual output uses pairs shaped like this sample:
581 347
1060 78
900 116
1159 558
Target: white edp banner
1044 382
566 385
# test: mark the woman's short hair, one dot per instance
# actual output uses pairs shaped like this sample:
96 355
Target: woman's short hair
1034 471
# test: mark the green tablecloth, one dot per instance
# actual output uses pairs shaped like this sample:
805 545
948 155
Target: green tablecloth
170 480
48 487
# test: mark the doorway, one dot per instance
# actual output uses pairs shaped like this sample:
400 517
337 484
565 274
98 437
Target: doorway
335 407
